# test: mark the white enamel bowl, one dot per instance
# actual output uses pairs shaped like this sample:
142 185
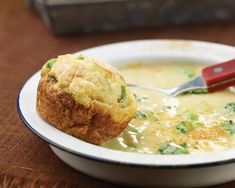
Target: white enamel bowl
132 168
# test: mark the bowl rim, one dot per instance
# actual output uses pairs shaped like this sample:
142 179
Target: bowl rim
83 154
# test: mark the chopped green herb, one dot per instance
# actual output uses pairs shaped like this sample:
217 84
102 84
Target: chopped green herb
188 73
142 115
50 63
190 116
191 121
184 127
140 99
123 94
132 128
230 106
229 126
81 57
152 116
184 145
197 91
173 149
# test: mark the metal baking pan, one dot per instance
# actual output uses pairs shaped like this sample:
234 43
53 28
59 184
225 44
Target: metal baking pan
74 16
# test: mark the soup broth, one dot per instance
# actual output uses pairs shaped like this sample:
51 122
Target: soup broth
189 123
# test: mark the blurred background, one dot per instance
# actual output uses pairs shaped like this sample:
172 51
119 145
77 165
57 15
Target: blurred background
74 16
32 31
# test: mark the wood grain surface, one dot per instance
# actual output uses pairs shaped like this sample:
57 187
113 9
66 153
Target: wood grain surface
25 44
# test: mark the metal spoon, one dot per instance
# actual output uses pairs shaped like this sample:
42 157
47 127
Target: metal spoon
213 78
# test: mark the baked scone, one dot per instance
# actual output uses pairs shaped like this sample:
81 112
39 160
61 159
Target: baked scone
85 98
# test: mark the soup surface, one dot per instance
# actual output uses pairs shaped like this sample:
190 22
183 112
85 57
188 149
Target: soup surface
190 123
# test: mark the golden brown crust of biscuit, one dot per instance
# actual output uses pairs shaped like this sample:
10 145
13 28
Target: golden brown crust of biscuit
94 124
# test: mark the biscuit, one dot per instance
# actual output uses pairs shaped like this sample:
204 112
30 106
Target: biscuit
84 98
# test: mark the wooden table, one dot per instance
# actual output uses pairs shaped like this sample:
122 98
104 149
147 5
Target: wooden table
25 44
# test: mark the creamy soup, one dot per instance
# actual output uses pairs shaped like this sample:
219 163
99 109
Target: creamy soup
190 123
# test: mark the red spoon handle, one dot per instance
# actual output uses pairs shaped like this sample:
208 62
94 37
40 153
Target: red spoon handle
219 76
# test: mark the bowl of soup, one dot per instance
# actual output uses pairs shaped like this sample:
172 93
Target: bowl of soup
187 140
